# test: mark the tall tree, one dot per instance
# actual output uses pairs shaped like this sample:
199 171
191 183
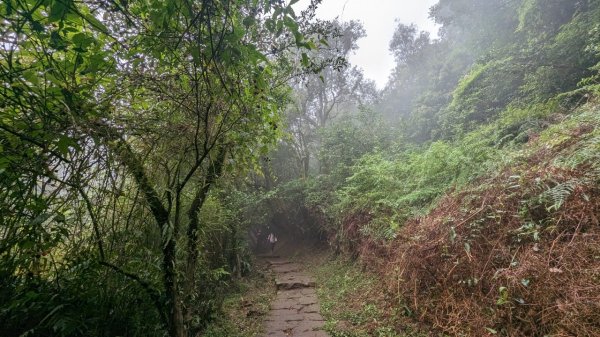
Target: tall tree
322 97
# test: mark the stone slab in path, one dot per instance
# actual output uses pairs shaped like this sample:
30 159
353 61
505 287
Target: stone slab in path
286 268
295 310
294 280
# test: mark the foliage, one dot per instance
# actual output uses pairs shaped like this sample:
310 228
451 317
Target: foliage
481 95
351 137
396 187
117 121
136 153
495 56
88 300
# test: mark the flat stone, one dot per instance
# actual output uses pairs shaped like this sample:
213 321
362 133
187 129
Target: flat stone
311 308
286 304
294 281
278 325
315 317
308 300
282 312
277 334
285 318
311 334
288 293
308 292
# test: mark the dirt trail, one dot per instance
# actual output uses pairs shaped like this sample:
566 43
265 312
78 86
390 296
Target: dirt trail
295 311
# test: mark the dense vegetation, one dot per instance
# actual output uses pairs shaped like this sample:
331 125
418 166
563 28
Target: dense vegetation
141 141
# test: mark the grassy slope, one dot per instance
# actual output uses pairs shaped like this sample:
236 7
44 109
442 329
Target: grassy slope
353 304
516 252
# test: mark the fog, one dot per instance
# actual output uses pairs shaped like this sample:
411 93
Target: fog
379 18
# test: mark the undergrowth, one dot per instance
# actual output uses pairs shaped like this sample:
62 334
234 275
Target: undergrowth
354 304
245 306
515 252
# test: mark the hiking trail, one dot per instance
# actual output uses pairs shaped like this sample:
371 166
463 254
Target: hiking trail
295 310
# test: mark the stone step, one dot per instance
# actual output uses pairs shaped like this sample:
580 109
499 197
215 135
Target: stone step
294 281
274 262
268 256
286 268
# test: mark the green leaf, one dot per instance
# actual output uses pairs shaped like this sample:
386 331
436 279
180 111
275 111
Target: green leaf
492 331
195 54
310 45
271 25
38 220
453 234
64 144
503 298
58 9
305 61
290 11
96 23
291 24
32 77
249 21
26 244
299 39
8 7
82 41
254 55
59 217
95 62
57 42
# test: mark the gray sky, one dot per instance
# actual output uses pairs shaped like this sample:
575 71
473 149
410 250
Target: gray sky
378 17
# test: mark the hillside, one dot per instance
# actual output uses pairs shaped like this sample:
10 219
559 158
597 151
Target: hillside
515 252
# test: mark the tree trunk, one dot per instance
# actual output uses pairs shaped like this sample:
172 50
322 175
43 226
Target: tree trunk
305 165
214 171
127 156
175 314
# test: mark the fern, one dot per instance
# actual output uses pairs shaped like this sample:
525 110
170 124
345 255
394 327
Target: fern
558 194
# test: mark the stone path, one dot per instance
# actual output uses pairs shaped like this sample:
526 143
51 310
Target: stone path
295 311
